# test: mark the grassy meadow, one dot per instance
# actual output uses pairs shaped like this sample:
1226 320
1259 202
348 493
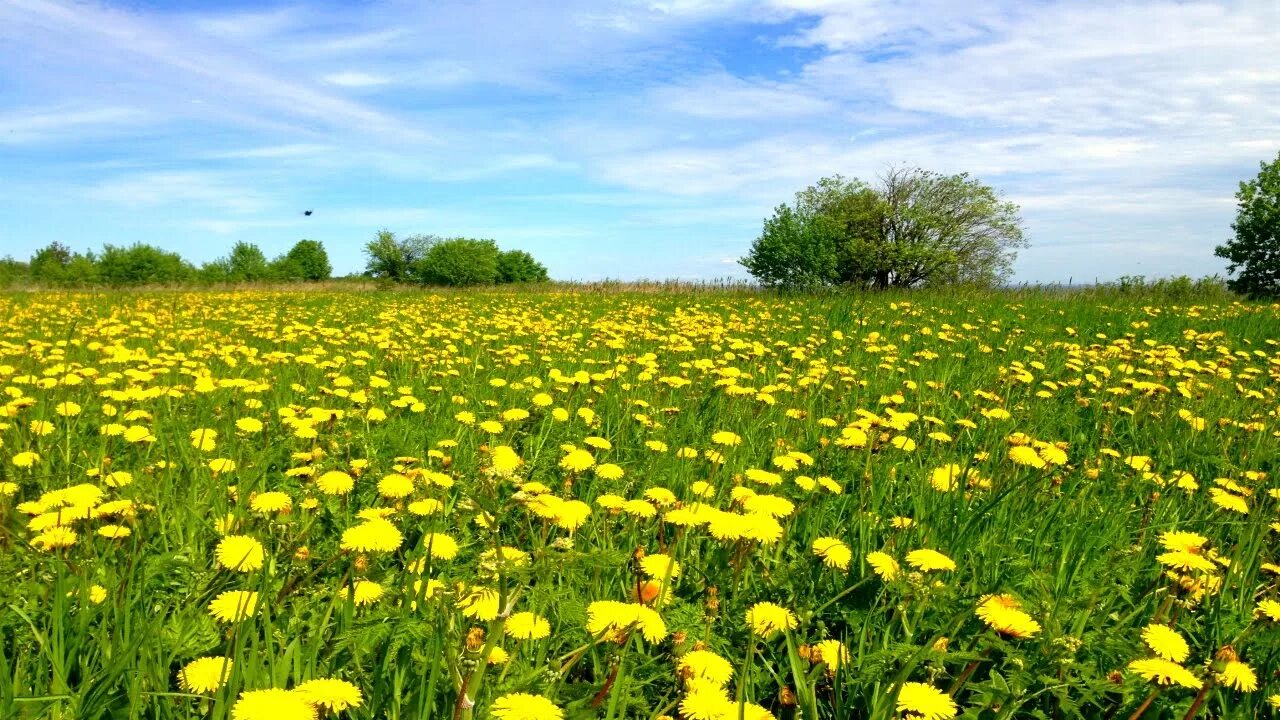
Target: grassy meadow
700 506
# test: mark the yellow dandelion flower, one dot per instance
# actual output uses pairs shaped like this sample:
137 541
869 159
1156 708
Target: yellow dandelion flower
1003 614
1026 455
1239 676
929 560
234 605
270 502
335 482
1164 672
239 552
374 535
527 626
1166 642
833 551
613 619
1270 609
205 675
330 694
480 603
726 438
922 701
705 665
577 460
25 459
524 706
609 471
766 618
884 565
55 537
706 701
363 592
273 704
441 546
204 439
395 486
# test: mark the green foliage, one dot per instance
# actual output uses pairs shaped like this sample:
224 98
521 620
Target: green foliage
431 260
518 266
49 262
56 265
306 260
1254 253
12 271
141 264
915 228
794 252
246 263
458 262
394 260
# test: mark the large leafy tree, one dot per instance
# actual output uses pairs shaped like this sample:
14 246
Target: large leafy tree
1254 253
912 228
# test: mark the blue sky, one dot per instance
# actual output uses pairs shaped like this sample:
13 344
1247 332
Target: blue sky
627 139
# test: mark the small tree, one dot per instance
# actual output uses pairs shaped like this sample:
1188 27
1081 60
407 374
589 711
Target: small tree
392 259
458 261
1254 253
48 265
518 266
246 263
13 271
306 260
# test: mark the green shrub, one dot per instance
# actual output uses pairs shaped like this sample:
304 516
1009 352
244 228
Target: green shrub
518 266
458 262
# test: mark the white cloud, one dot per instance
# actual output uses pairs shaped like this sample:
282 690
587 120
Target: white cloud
352 78
68 122
196 189
723 96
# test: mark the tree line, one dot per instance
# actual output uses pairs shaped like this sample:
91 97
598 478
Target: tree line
143 264
459 261
418 259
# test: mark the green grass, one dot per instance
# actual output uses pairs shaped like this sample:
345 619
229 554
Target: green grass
1103 375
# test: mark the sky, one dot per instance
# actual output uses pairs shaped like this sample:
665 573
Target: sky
626 139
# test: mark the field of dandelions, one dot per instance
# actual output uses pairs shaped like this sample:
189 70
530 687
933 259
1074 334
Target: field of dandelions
698 506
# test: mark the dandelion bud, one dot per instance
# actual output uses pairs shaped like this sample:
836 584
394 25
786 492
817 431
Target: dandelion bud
647 591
